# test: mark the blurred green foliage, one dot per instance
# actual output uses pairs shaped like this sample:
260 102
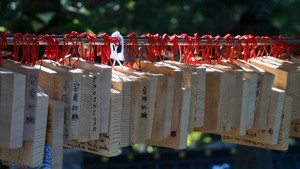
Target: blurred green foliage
215 17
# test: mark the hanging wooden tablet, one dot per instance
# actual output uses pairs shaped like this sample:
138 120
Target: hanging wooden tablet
108 143
253 98
178 77
213 90
12 100
264 87
86 108
56 85
243 108
194 78
54 136
295 68
228 103
106 73
162 119
246 108
124 85
274 118
236 102
32 152
75 100
149 88
179 141
137 103
143 123
217 101
31 74
283 132
283 80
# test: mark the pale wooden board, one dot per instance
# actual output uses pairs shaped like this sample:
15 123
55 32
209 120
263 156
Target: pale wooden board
244 107
124 85
108 143
32 152
273 123
241 129
200 106
264 87
283 133
275 113
56 89
172 72
238 99
139 123
12 102
213 82
54 136
96 107
283 80
150 83
253 98
30 99
86 107
227 105
194 78
96 99
295 68
160 129
190 82
180 140
106 74
295 128
75 99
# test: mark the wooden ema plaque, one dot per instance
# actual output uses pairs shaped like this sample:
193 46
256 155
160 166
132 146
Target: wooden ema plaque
228 102
135 103
72 119
180 140
105 85
295 67
194 79
140 126
238 96
31 74
217 101
89 121
274 116
162 117
124 85
32 152
86 108
264 87
108 143
283 132
91 105
12 100
55 85
177 74
155 90
54 135
283 80
149 89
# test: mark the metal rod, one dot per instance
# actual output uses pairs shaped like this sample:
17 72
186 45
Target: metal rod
143 41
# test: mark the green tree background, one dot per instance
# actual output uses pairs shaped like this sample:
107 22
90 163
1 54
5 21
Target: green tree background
215 17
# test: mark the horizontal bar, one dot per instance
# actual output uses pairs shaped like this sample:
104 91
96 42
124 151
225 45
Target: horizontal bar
143 40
